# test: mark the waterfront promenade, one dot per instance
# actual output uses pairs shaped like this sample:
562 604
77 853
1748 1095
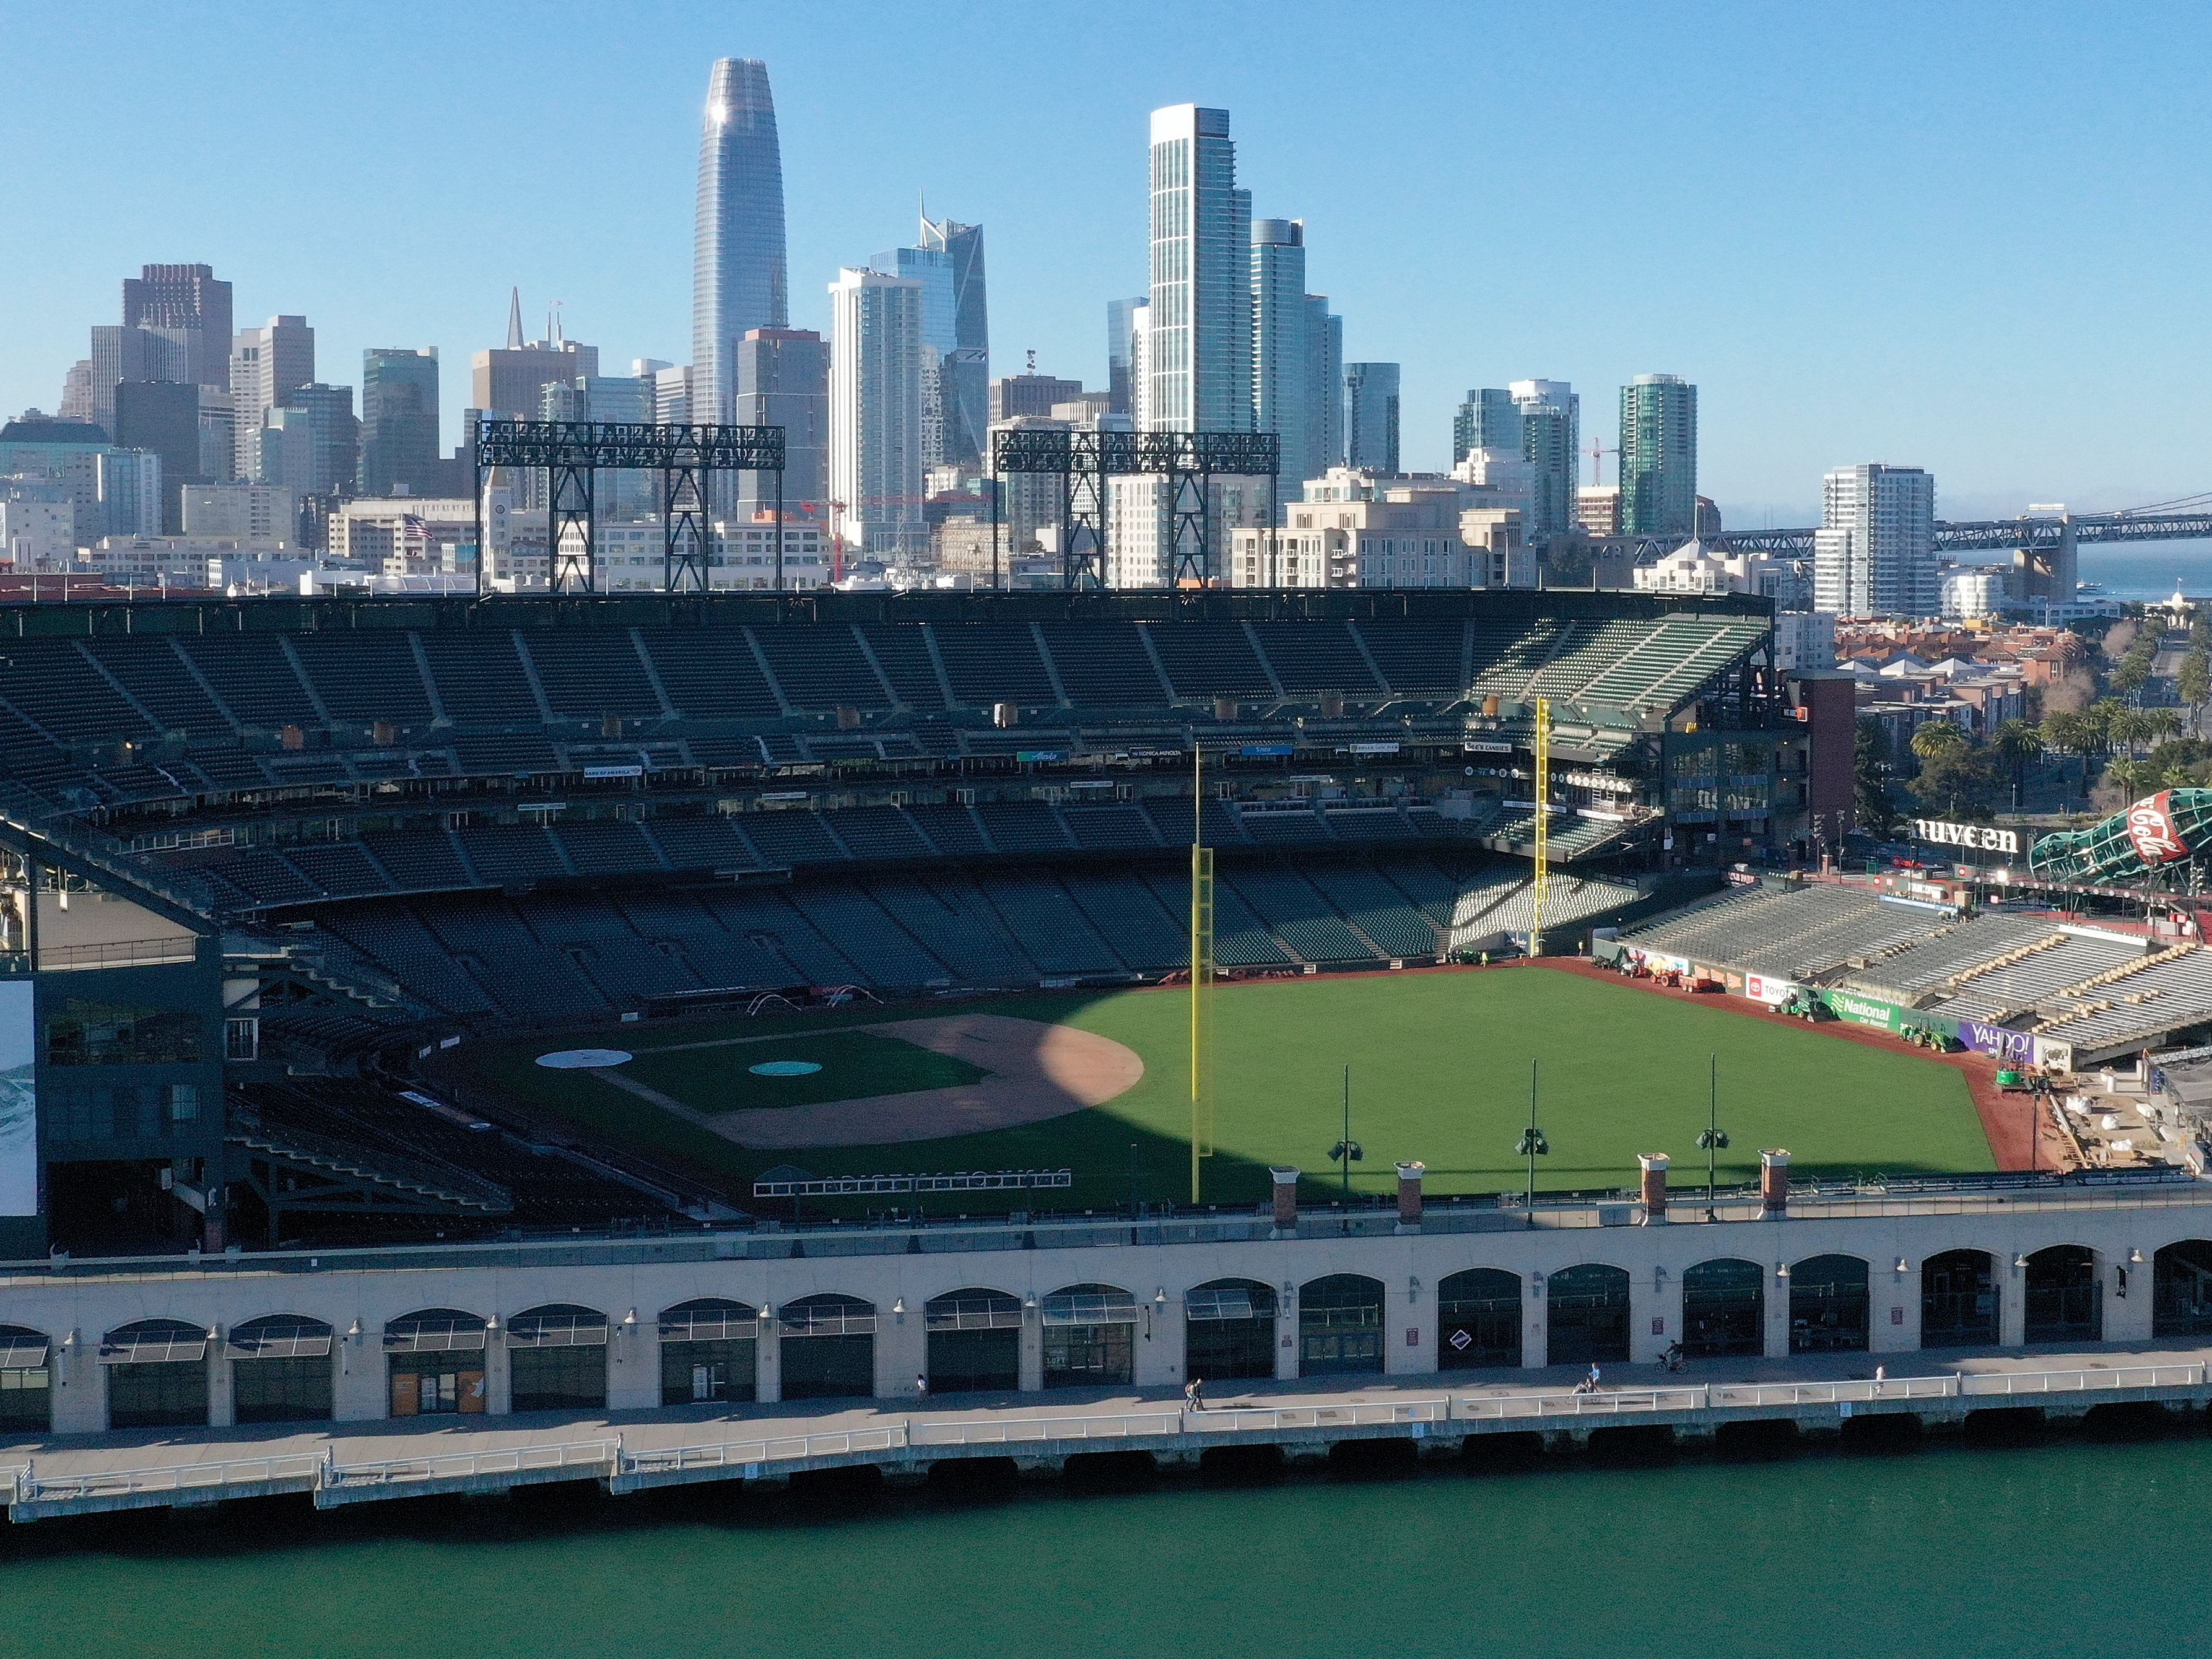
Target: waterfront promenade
342 1463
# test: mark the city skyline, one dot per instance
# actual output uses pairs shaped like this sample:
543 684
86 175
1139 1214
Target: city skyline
1910 350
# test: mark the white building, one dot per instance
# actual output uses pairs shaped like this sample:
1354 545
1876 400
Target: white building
1973 593
876 352
1502 480
1874 553
1804 639
267 364
242 512
1199 366
404 534
1694 568
37 525
1360 529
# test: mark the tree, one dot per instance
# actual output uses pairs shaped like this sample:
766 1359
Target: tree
1932 739
2176 777
2073 734
1872 804
1960 780
2126 728
2131 778
2019 742
2195 681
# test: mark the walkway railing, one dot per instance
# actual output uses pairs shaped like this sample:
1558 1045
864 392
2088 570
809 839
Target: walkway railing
27 1488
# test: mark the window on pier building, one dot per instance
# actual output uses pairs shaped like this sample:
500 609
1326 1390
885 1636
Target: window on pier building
1479 1319
1340 1326
1586 1314
975 1341
1724 1309
709 1350
1228 1331
1828 1305
280 1370
1089 1337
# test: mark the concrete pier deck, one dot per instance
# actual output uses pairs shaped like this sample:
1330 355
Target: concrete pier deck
345 1464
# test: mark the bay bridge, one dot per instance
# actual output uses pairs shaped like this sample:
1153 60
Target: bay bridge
2049 534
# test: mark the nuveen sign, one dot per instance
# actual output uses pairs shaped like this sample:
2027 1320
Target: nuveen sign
1979 835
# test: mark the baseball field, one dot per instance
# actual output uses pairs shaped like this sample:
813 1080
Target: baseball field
1439 1070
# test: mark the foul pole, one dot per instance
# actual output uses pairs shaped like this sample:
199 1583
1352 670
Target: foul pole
1543 827
1202 974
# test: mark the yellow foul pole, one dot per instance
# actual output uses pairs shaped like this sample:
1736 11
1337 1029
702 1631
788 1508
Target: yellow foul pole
1543 826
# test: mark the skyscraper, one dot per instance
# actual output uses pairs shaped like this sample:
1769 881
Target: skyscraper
311 442
738 279
267 365
162 418
398 421
510 383
966 368
876 351
1121 330
783 380
187 306
1551 427
1324 387
1370 401
1659 457
1490 420
1281 387
1200 365
1874 552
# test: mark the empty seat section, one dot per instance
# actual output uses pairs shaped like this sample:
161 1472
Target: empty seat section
1419 658
605 848
339 867
1507 655
481 680
1172 819
1430 890
993 662
718 956
700 843
1276 824
512 852
51 684
791 837
961 931
506 754
267 878
867 936
418 859
1209 659
1240 939
595 935
904 654
1023 826
1104 665
878 832
1377 909
820 667
951 828
1128 914
1588 650
1300 916
589 673
1048 925
709 673
1107 827
1368 824
155 677
365 677
765 918
415 955
1310 657
251 674
529 981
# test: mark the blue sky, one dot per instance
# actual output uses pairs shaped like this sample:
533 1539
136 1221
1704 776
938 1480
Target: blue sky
1972 237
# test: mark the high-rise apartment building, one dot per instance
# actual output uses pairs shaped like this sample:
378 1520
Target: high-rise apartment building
875 351
739 275
1281 387
1874 553
188 305
1324 388
1120 330
267 365
1551 427
1370 426
398 421
783 380
1201 368
1490 420
1659 457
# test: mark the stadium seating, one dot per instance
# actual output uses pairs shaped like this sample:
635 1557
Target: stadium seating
960 927
1308 659
820 668
1053 930
589 675
480 679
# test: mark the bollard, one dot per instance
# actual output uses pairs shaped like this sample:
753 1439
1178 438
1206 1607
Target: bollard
1654 1186
1286 1200
1774 1182
1409 1193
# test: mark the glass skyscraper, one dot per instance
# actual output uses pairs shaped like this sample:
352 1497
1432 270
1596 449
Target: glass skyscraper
1201 340
739 275
1490 420
1551 429
956 391
398 421
1371 402
1658 457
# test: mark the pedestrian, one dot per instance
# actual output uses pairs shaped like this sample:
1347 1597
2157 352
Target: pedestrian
1593 1378
1880 1377
1194 1394
921 1385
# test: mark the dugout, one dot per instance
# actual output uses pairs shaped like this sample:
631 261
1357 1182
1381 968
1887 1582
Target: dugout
434 1362
2065 1304
1828 1303
1958 1300
827 1347
1478 1320
975 1342
1724 1309
1228 1331
1589 1317
1089 1337
1340 1326
280 1370
709 1350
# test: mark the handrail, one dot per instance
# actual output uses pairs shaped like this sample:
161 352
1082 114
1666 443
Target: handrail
726 1454
449 1466
1116 1425
1615 1402
31 1486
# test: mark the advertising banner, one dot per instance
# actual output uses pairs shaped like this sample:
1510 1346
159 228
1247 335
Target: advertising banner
2151 827
1863 1011
1761 988
2001 1040
19 1116
2054 1056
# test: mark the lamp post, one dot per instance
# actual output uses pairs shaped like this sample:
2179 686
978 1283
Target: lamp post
1533 1144
1714 1138
1347 1152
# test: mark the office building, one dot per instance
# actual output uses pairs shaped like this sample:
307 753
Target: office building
783 380
111 491
1324 387
1490 420
162 417
508 384
967 367
672 396
1355 527
1121 329
1371 424
1201 366
1016 395
1874 552
398 421
1551 427
37 525
188 307
739 275
239 512
1658 456
875 351
267 365
311 443
1597 509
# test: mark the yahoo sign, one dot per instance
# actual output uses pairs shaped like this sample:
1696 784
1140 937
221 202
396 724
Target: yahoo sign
2000 1040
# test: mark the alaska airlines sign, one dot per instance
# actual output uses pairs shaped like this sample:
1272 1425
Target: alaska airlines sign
1980 835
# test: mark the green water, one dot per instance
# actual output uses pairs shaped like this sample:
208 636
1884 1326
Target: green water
2069 1547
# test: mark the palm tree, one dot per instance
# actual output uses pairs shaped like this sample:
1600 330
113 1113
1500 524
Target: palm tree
2018 741
2130 777
1935 737
2176 777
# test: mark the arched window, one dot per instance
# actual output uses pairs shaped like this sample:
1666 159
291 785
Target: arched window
434 1362
1828 1305
1340 1326
157 1374
2065 1303
26 1380
828 1347
280 1370
1723 1309
1586 1317
1228 1331
975 1342
709 1352
1478 1320
557 1359
2181 1289
1089 1337
1958 1300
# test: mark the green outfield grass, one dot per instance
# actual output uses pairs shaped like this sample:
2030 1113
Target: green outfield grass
1440 1069
854 1064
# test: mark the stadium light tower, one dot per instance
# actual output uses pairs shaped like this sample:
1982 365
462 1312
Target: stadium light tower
1714 1138
1533 1144
1347 1152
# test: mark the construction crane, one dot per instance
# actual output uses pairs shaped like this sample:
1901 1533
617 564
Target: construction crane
1596 451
